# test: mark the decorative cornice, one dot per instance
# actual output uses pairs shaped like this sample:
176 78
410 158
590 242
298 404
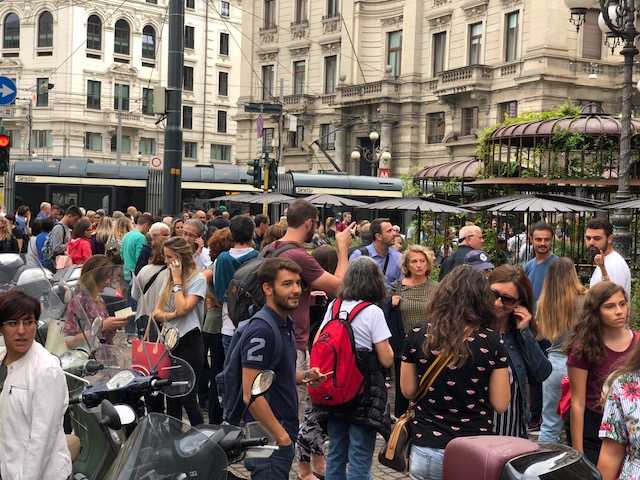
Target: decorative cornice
268 56
11 63
475 8
299 52
123 70
440 21
392 21
332 47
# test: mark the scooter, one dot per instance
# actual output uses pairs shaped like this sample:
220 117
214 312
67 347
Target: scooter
510 458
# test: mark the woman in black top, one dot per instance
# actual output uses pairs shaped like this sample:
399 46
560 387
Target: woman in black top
463 397
8 243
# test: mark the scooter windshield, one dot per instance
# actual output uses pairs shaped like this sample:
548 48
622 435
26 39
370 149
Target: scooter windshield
163 448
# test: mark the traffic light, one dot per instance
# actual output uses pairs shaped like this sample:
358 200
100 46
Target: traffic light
273 176
5 148
255 172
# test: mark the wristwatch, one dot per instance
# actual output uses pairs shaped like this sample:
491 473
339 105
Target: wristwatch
176 288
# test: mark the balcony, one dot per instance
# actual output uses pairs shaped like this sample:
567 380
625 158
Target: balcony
367 91
296 102
464 80
299 30
12 112
331 25
129 119
268 34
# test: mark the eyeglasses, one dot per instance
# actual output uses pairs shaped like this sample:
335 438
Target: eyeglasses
25 323
506 300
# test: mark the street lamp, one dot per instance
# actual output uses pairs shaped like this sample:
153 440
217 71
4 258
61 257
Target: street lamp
617 21
376 156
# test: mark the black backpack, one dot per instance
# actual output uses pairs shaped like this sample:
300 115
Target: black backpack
244 295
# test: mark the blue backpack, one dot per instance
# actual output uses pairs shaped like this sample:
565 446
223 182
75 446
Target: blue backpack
229 381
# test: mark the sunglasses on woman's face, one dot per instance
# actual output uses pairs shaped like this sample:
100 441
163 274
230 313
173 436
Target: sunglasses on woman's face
506 300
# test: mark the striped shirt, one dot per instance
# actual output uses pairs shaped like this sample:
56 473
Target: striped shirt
512 422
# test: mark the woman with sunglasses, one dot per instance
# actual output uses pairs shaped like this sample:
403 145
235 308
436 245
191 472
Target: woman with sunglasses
600 343
513 301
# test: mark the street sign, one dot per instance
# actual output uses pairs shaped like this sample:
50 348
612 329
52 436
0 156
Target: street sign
156 163
263 108
259 125
8 91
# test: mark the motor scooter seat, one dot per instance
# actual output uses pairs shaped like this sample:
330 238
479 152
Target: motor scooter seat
482 457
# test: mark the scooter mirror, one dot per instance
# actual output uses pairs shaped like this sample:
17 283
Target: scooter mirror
96 327
171 337
262 383
126 414
109 416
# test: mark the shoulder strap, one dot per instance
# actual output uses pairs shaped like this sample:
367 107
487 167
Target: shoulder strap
431 375
276 252
153 279
276 335
364 251
356 310
386 263
335 309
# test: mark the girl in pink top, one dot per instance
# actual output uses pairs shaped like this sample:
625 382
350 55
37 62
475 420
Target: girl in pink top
79 247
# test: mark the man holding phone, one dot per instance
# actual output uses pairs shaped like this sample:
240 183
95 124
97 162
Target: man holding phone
610 265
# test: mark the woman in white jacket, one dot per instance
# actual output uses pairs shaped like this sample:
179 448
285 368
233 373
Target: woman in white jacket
33 398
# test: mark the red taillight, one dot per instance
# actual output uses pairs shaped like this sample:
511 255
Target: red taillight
4 141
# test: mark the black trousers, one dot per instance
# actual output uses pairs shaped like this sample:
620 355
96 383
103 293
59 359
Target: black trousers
590 440
215 351
190 349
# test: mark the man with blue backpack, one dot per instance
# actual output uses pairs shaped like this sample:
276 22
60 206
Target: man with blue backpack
267 342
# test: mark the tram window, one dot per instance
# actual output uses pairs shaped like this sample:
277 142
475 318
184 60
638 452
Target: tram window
65 199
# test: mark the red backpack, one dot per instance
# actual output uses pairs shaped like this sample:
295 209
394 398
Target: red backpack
335 352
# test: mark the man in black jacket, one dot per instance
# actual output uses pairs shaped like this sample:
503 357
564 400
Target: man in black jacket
470 238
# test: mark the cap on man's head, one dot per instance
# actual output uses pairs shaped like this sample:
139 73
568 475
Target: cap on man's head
478 260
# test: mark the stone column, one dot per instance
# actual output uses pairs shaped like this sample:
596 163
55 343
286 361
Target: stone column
340 155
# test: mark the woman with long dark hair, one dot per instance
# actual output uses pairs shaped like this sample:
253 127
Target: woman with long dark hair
463 397
557 312
511 290
181 306
600 343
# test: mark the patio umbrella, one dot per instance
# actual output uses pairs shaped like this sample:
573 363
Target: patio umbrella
267 197
238 197
416 203
542 204
327 200
631 204
492 202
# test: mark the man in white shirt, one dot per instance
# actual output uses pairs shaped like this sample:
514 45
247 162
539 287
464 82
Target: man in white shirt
192 233
610 265
33 398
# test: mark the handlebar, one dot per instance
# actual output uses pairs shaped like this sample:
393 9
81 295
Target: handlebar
237 443
159 383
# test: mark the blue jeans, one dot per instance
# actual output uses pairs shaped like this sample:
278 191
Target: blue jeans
552 423
426 463
349 444
276 467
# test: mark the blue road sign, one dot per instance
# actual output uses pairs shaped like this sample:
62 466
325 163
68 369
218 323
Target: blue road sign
8 91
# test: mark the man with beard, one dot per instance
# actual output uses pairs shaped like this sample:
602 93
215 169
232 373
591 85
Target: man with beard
536 268
278 413
388 259
610 265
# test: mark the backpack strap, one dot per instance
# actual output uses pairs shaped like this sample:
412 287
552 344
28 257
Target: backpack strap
335 309
356 310
276 252
364 251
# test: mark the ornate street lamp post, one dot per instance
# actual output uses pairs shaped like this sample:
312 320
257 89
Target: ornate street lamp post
617 21
376 156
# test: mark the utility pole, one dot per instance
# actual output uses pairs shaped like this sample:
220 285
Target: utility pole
172 169
281 123
30 122
119 129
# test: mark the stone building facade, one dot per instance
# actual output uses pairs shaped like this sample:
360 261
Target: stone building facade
426 75
98 52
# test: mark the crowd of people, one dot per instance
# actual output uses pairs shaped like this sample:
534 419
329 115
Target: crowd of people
509 335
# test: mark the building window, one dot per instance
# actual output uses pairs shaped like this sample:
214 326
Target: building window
11 31
269 13
93 141
94 33
45 30
187 117
511 37
327 136
298 77
590 106
190 4
224 43
296 138
333 8
121 38
42 92
469 120
267 139
591 36
224 8
330 74
220 153
153 2
147 101
149 42
475 43
223 84
126 144
187 83
121 93
41 139
93 94
189 37
507 110
439 52
222 121
394 52
147 146
267 82
435 127
301 11
191 150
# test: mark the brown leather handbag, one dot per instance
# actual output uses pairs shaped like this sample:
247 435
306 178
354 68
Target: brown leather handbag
395 453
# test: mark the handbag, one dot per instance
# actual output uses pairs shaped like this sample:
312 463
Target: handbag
395 453
564 404
150 357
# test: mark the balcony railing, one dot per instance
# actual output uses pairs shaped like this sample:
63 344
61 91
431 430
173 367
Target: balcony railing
331 24
461 80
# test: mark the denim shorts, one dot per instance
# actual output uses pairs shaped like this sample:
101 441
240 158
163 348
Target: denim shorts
426 463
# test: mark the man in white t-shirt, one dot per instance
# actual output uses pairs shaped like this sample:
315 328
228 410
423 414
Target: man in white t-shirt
610 265
192 232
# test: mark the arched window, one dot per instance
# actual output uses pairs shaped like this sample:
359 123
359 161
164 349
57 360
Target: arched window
11 31
45 30
121 40
149 42
94 33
